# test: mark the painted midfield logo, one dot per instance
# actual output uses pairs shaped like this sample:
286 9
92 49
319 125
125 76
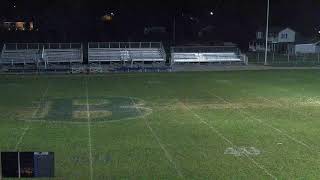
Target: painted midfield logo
100 109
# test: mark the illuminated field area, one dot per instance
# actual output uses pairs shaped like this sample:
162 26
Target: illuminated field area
207 125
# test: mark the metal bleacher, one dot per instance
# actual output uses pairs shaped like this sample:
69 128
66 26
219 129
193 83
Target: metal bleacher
207 54
35 57
63 56
111 56
20 57
15 55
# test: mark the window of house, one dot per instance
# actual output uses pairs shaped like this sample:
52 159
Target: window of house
284 36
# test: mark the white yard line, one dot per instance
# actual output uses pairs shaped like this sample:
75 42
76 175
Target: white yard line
89 132
162 146
202 120
264 123
27 128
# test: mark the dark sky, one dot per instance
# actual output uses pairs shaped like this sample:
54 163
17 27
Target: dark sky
233 20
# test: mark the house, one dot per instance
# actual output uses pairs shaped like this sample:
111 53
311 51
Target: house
308 48
280 40
17 24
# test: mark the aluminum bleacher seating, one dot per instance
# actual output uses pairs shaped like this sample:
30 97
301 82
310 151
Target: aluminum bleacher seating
62 55
132 52
147 54
14 56
105 55
211 54
41 57
125 56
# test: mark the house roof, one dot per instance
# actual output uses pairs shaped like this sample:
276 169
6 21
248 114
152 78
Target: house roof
274 29
16 19
303 40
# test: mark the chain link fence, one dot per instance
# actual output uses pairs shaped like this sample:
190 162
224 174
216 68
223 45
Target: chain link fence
277 59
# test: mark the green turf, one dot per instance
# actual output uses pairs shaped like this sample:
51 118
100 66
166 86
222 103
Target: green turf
167 126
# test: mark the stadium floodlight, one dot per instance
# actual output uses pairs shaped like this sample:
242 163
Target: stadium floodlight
267 34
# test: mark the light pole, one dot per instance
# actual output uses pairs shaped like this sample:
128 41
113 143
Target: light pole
174 30
267 34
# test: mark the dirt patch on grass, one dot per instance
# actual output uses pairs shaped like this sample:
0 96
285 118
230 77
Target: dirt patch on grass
298 102
25 113
92 102
224 81
217 106
93 114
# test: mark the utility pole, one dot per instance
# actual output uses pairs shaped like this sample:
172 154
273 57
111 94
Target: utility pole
267 34
174 29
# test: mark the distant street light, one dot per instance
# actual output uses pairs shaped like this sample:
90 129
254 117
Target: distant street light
211 13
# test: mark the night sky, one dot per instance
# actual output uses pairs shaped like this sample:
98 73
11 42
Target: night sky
232 21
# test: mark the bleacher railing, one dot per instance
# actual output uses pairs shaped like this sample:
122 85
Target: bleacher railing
40 46
205 49
125 45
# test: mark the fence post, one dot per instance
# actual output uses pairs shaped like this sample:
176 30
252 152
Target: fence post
258 57
288 57
272 57
318 57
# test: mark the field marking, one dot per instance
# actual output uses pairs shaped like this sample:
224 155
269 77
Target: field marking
264 123
202 120
27 128
89 131
162 146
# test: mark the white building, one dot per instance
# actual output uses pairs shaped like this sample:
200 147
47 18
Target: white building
279 40
310 48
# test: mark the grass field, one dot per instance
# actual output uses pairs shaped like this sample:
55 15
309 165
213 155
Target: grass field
208 125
